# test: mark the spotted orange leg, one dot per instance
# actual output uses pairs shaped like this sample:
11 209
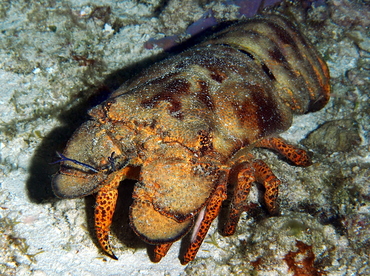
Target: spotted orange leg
105 205
245 175
160 250
297 156
210 212
242 178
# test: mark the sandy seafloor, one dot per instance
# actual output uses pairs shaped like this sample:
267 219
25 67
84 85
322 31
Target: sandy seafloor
59 58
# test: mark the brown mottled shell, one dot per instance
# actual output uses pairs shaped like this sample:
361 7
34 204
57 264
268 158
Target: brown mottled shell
185 119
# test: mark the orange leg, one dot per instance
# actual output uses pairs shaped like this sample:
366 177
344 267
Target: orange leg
297 156
211 212
246 174
105 205
271 183
243 179
160 251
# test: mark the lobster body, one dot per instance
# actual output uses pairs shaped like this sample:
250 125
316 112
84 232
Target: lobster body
184 127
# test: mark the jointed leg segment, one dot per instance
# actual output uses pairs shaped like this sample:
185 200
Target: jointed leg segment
297 156
244 175
105 205
160 251
211 212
